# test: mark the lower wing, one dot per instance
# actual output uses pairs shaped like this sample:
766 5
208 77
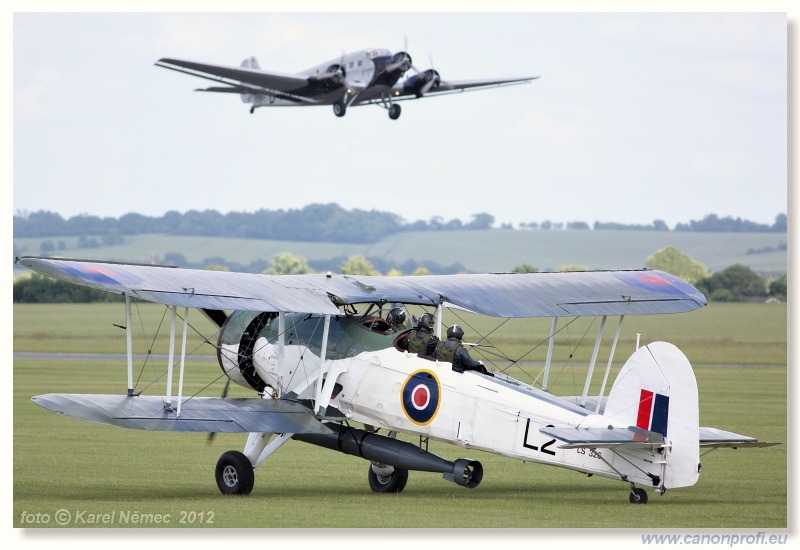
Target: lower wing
197 414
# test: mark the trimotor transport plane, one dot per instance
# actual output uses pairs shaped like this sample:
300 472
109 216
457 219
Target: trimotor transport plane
370 76
327 366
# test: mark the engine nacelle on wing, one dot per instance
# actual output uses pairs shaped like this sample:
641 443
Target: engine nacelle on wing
333 77
422 83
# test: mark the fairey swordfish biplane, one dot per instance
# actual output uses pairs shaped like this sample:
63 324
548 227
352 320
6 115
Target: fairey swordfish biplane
322 358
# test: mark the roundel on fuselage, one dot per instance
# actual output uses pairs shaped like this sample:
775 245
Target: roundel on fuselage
420 397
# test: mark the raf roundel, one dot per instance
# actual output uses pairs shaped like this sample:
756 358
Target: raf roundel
420 397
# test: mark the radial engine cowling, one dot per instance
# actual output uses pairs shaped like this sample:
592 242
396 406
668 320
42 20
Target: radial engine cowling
422 83
401 62
239 342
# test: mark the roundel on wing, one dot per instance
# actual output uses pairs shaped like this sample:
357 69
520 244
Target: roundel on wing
419 397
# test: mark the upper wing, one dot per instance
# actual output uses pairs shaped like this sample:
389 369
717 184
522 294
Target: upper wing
639 292
245 80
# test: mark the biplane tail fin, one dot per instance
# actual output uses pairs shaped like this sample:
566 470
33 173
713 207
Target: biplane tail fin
656 391
250 63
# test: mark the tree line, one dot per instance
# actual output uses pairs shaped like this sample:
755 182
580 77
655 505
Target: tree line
317 223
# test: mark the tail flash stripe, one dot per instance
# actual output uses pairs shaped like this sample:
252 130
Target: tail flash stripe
645 409
660 414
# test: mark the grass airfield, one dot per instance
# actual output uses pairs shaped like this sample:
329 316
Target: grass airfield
72 473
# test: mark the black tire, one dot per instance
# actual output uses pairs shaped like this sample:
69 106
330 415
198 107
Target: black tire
638 496
339 109
394 483
394 111
234 474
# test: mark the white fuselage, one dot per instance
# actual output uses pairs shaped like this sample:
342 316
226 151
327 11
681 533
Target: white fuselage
358 68
402 392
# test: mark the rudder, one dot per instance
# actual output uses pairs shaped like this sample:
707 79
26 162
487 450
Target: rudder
656 390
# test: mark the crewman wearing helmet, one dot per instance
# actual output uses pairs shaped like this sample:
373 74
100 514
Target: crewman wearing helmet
396 317
453 351
422 341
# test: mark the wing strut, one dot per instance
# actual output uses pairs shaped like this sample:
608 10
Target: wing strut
608 365
281 347
593 361
129 339
550 342
168 404
171 360
183 358
320 405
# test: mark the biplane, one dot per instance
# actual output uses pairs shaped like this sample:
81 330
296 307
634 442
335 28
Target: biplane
365 77
327 367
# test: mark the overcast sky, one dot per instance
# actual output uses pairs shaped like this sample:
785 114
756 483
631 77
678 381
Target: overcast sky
635 117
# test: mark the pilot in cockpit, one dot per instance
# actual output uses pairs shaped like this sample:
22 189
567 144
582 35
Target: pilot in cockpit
396 318
453 351
421 341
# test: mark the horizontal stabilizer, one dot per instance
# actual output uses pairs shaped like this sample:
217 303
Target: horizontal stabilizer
198 414
714 438
592 438
226 89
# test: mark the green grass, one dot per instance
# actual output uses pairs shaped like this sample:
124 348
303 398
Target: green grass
62 463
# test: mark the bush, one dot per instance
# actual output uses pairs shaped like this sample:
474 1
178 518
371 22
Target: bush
38 289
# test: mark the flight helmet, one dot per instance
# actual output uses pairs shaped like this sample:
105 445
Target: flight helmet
455 332
426 321
396 316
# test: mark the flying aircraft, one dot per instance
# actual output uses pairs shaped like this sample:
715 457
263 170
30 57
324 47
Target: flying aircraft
323 356
370 76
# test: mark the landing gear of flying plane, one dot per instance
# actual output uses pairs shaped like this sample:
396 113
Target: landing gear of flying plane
394 111
252 109
339 108
386 479
234 474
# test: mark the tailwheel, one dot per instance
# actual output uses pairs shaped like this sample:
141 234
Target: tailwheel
394 111
386 479
234 474
638 496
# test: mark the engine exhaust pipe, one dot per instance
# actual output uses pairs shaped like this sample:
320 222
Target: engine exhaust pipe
400 454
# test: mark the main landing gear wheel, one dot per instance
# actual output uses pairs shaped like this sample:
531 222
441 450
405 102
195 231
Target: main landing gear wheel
234 474
638 496
387 480
339 108
394 111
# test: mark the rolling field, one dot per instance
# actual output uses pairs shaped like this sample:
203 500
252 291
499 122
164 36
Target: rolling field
477 251
103 476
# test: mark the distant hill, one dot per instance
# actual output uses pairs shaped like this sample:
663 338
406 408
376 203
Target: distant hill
324 223
489 250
